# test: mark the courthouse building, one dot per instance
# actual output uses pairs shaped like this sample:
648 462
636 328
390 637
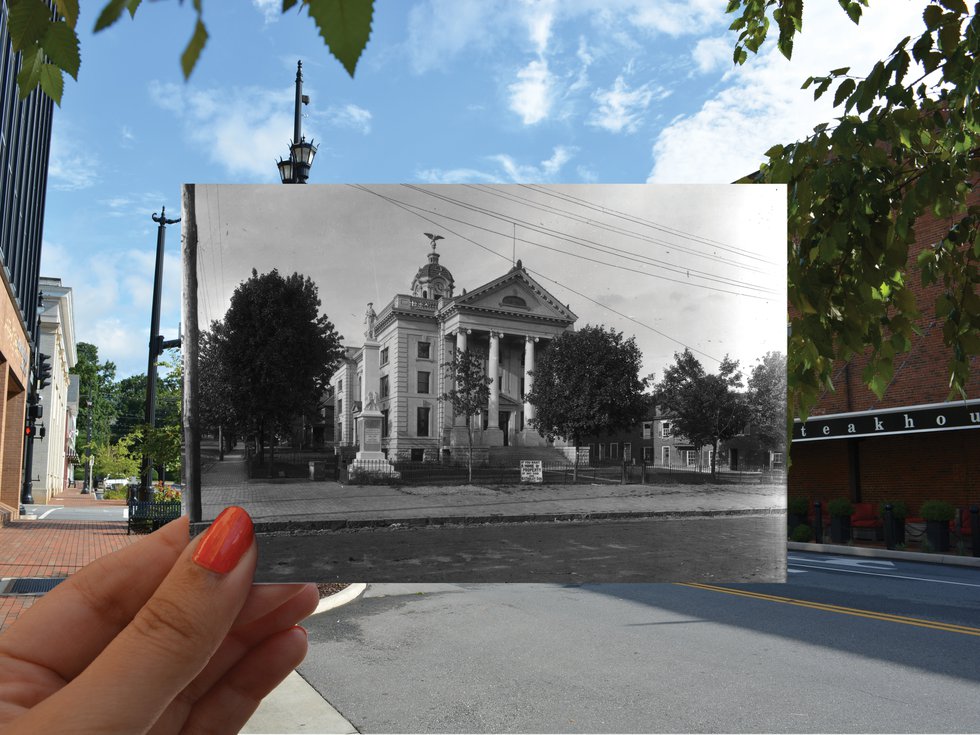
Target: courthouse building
508 321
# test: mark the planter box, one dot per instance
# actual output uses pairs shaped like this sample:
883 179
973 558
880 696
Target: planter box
840 529
937 532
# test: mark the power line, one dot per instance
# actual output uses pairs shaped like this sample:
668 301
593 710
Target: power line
408 209
525 201
674 269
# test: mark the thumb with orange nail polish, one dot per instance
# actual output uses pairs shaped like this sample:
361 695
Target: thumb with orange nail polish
226 541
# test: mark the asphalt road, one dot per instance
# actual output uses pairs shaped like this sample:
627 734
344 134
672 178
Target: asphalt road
721 548
662 658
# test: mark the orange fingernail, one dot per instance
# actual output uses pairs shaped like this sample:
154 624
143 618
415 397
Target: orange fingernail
226 541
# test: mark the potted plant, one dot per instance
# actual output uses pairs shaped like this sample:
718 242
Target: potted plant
900 512
937 514
796 512
802 533
840 510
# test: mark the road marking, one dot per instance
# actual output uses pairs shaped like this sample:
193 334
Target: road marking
46 513
857 612
890 576
847 562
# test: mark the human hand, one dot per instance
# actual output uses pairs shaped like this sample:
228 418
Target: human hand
167 634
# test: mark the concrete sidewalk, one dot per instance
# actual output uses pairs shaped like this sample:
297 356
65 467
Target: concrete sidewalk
302 502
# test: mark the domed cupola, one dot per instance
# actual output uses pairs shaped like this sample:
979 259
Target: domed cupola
433 281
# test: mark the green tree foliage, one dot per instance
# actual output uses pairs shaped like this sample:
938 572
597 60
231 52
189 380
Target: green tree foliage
587 382
767 401
470 393
278 352
118 459
903 146
96 385
50 45
707 409
162 444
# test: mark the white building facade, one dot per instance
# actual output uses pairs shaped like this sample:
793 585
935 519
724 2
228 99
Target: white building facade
53 459
508 321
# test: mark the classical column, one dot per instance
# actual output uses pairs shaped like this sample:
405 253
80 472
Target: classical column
528 378
493 368
461 339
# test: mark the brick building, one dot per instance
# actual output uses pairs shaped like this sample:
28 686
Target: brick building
911 445
25 141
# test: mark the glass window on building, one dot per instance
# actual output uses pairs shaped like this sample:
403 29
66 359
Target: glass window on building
384 386
628 452
777 459
384 356
664 429
692 458
647 454
614 451
424 350
647 429
384 423
423 383
422 421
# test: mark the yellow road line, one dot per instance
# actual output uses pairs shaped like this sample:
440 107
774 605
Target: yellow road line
905 620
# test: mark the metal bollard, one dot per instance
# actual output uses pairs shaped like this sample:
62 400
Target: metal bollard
889 527
975 529
817 522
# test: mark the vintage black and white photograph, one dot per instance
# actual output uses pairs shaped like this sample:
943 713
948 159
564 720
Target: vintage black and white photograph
492 383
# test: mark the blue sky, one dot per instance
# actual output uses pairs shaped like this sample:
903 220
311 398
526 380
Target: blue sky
448 91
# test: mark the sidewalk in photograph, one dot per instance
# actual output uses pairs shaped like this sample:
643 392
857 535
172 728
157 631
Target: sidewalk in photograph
224 483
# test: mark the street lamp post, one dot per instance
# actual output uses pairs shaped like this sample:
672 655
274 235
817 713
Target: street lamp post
296 168
88 461
157 346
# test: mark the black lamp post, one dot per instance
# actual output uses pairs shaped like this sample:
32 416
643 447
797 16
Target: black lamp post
296 168
88 460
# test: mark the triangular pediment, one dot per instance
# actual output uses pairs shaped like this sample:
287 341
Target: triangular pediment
515 293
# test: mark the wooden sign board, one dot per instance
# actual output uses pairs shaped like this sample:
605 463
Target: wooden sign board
531 471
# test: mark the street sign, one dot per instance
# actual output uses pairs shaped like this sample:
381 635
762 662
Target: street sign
531 471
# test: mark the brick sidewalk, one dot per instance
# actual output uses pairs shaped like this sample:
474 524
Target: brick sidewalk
55 548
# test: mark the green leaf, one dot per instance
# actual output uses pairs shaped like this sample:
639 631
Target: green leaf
194 47
949 37
844 91
132 6
854 12
52 82
932 16
287 4
957 6
345 26
30 72
28 21
110 14
68 9
839 72
61 47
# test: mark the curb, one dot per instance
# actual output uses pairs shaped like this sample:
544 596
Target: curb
341 524
918 556
345 596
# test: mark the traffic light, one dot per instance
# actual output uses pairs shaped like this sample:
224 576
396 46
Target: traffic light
43 371
35 411
29 430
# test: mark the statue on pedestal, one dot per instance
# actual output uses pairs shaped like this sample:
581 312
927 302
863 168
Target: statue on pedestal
369 319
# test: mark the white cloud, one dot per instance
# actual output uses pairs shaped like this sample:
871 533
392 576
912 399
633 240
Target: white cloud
531 94
685 17
351 116
763 104
713 53
620 108
71 166
456 176
547 170
270 9
439 29
250 124
539 20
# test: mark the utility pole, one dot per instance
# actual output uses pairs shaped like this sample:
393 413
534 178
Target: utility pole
38 377
157 346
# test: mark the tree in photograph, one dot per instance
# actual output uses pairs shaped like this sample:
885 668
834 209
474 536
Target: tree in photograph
278 353
215 405
470 394
904 146
117 460
587 382
767 401
706 409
